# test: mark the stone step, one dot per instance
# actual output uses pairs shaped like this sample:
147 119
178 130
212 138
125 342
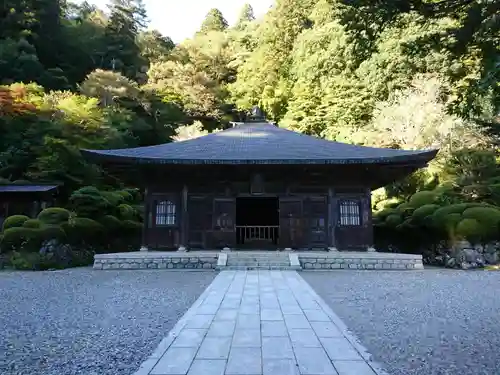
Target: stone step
249 268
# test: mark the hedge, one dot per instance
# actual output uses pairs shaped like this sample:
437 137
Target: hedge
14 221
54 215
32 223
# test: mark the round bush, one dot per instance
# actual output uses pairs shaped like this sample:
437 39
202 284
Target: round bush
393 220
52 232
450 221
32 223
4 181
133 225
110 223
54 215
113 197
80 231
20 239
14 221
470 229
126 196
422 198
127 212
489 218
423 211
89 202
386 212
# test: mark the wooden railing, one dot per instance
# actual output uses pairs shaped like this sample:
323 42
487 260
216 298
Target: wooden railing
248 233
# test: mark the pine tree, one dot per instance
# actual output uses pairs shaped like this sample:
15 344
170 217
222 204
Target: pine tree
214 21
122 53
246 16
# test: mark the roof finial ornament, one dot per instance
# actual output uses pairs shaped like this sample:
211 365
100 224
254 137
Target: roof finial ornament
257 114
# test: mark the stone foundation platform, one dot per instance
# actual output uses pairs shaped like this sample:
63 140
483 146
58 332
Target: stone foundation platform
298 260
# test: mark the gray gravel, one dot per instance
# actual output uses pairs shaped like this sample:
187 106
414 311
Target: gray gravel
81 321
431 322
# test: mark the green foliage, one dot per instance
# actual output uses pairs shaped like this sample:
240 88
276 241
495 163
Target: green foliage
423 211
214 21
52 232
470 229
32 223
54 215
126 211
20 239
88 202
393 220
487 217
111 223
14 221
422 198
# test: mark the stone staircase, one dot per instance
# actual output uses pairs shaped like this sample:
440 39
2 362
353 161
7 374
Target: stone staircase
258 261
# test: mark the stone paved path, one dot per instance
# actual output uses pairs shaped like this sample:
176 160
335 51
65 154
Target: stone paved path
259 323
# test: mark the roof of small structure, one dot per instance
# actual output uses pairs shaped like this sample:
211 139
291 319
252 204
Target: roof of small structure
259 143
14 188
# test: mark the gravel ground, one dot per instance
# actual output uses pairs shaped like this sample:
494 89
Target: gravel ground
87 322
431 322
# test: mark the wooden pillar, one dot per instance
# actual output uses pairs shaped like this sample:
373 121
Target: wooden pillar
368 220
332 219
184 219
145 224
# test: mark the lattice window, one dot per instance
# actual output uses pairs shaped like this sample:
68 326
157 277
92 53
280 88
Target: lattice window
165 213
350 213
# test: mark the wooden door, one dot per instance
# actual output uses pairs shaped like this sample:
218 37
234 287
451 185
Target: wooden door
164 222
224 222
200 220
316 212
291 234
352 231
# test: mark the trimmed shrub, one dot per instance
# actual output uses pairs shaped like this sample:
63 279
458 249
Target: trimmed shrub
487 217
393 220
14 221
21 239
470 229
32 223
54 215
423 211
110 223
52 232
386 212
113 197
89 202
422 198
132 225
4 181
126 196
126 211
84 232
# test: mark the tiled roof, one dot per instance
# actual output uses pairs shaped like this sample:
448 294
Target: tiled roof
26 188
259 143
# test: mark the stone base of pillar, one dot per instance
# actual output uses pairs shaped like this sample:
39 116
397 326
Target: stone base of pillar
332 249
371 249
226 249
144 248
182 249
287 249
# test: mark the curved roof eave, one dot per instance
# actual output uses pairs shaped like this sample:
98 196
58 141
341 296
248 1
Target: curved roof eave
417 156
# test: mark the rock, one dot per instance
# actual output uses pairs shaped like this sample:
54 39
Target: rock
465 265
451 262
491 258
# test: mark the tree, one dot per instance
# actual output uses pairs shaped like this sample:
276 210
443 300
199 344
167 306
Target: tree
416 118
214 21
122 53
246 16
154 46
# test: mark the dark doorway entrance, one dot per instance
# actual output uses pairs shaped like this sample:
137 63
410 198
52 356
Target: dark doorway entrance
257 222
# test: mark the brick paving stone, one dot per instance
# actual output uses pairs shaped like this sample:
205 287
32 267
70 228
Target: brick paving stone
244 361
353 368
214 348
207 367
274 329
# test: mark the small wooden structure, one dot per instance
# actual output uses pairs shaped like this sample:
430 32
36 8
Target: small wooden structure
26 199
259 186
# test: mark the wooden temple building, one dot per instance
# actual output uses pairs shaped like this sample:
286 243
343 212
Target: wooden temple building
259 186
